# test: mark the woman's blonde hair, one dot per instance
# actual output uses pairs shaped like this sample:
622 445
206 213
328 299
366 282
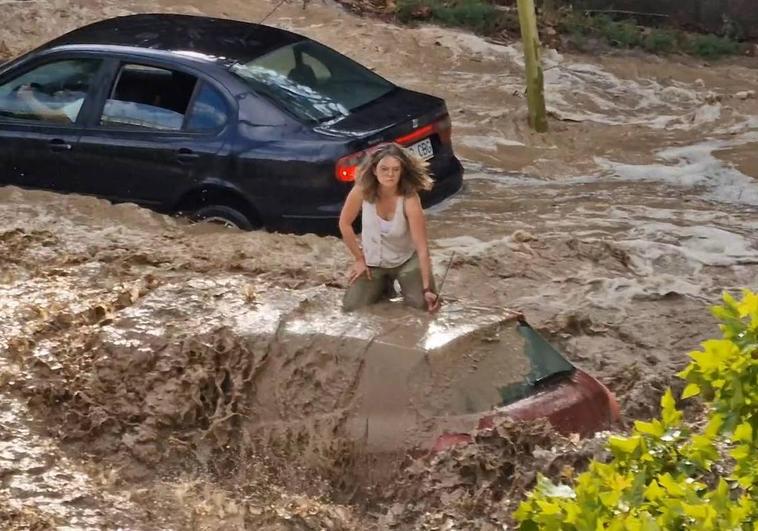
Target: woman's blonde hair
414 176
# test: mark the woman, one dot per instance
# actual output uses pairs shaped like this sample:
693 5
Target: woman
393 241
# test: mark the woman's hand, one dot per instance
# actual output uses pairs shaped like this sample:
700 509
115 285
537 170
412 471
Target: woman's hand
358 269
433 301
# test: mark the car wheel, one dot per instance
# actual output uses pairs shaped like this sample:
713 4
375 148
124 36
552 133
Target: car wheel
223 215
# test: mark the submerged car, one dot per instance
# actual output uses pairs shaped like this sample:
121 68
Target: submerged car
227 121
303 373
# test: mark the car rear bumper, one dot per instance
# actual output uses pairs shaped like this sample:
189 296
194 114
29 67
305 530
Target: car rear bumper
324 218
575 404
444 185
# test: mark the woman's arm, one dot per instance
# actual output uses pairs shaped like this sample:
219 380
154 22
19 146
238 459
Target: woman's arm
349 212
417 224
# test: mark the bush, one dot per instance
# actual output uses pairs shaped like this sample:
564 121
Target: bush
582 28
712 46
659 42
482 16
665 475
623 34
477 15
574 24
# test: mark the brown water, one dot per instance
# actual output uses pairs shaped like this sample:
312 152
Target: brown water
124 332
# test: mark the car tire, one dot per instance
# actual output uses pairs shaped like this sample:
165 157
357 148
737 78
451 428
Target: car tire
223 215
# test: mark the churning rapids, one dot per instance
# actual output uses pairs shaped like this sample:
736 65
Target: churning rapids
613 233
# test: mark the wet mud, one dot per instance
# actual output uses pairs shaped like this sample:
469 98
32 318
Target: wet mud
156 374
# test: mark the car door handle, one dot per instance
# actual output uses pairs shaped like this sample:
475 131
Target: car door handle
57 144
185 155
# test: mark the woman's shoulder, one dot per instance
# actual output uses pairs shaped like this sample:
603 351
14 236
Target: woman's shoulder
412 204
357 194
411 198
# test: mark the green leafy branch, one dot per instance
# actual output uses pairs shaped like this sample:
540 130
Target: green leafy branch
665 475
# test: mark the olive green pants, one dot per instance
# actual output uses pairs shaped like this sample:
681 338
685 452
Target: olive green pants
364 291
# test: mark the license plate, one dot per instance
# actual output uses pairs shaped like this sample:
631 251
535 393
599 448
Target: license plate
423 149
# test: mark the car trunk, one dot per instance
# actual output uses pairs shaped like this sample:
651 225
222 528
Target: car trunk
399 116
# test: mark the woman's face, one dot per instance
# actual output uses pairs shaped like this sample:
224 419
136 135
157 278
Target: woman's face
388 172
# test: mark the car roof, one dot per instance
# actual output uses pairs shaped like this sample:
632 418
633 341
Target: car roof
221 39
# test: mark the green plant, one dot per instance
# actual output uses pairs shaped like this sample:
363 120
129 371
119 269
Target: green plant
666 475
712 46
600 23
574 23
659 41
623 34
477 15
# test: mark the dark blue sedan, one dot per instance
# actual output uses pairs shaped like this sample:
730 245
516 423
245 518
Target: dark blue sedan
221 120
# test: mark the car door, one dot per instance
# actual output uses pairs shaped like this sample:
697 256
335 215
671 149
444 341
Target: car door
41 106
156 131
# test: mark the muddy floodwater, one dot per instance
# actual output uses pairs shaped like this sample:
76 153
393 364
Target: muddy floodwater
136 349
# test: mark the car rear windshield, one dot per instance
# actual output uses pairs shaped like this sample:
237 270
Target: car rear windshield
311 81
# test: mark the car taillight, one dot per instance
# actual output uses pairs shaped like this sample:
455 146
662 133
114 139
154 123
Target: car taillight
347 167
444 129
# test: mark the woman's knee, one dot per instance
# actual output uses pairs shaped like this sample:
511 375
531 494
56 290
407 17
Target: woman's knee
354 299
349 305
415 300
362 293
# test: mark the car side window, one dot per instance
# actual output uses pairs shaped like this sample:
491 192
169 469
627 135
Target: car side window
53 92
209 111
146 97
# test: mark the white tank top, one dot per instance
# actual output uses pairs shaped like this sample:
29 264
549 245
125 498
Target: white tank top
385 243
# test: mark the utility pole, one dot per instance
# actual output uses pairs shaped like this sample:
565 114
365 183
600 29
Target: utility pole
535 84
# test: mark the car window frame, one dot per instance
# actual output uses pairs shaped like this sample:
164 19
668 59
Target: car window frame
25 66
195 94
117 61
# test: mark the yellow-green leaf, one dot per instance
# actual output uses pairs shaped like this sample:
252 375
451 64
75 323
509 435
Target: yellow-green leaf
743 433
697 512
524 511
654 491
748 305
728 299
714 425
669 414
624 445
572 513
691 390
654 428
740 452
671 486
548 508
610 499
686 371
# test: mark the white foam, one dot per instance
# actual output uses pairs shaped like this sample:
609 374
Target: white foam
468 246
486 143
693 167
618 292
585 92
461 43
698 244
